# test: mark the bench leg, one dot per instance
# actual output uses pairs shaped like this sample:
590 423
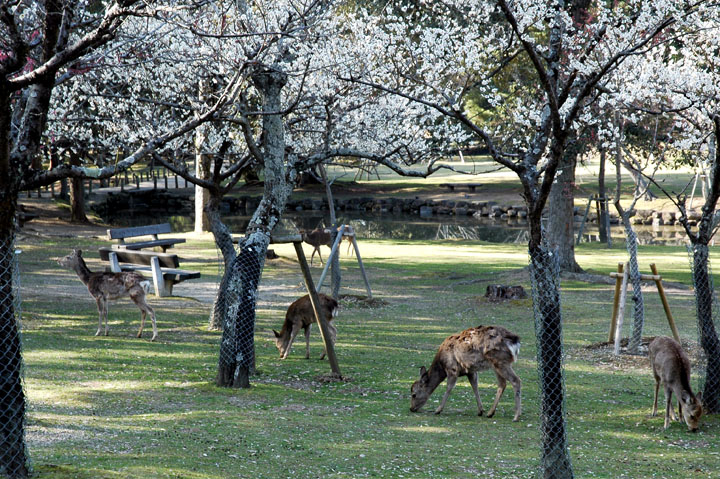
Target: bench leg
158 280
114 264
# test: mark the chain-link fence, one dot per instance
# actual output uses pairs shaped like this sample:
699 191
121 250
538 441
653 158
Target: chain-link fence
634 276
706 305
239 298
544 274
13 454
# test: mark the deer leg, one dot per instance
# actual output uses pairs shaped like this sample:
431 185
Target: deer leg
472 377
504 375
451 380
669 409
307 341
657 390
293 333
101 313
138 297
319 255
333 334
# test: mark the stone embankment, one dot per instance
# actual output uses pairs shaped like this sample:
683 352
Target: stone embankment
164 202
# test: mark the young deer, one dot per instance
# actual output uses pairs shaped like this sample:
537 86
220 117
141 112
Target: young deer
300 315
464 354
320 237
671 367
106 286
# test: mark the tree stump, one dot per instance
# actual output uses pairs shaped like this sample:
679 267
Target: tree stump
499 292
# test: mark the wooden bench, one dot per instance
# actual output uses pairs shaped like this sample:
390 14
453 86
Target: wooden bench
162 266
469 186
150 230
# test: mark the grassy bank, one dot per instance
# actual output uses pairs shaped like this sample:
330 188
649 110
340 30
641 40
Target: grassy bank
121 407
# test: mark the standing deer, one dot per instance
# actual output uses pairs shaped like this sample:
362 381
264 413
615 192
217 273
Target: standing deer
671 366
464 354
320 237
300 315
106 286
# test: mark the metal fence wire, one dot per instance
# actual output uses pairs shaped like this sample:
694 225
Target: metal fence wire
707 310
13 454
544 274
237 348
634 276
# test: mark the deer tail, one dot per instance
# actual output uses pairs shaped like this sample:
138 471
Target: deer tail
514 347
146 285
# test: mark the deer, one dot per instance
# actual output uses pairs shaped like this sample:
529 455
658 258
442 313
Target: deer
464 354
320 237
110 286
300 315
671 367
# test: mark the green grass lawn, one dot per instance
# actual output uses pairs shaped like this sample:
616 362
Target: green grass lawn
122 407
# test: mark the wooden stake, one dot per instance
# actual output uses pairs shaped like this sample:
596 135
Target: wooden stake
616 302
333 252
315 300
621 311
666 306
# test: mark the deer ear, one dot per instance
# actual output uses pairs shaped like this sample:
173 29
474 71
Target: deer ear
79 252
277 335
423 371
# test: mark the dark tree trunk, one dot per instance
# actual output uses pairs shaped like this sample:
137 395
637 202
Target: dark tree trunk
602 204
561 212
77 195
708 333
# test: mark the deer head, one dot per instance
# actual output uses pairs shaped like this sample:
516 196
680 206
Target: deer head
71 260
281 342
692 409
420 391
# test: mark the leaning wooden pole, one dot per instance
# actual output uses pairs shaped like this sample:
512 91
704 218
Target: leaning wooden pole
315 300
362 266
616 303
333 252
666 306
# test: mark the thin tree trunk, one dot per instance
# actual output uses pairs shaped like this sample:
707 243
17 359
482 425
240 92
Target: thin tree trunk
202 171
335 274
77 195
601 205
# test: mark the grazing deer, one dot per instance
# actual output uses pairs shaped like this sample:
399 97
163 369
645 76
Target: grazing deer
300 315
106 286
671 366
320 237
464 354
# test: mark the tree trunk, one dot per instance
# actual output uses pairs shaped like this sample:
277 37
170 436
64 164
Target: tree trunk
708 333
223 240
202 171
335 274
237 350
555 459
77 195
237 347
602 204
561 212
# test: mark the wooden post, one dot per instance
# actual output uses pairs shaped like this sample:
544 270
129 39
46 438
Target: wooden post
621 310
582 223
616 303
315 300
360 263
666 306
333 252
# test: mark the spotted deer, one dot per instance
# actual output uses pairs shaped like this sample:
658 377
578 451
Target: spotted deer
110 286
671 367
320 237
300 315
464 354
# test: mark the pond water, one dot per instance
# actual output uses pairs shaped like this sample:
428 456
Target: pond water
413 227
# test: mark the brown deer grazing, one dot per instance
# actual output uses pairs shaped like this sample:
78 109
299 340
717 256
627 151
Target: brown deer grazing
300 315
464 354
671 367
320 237
106 286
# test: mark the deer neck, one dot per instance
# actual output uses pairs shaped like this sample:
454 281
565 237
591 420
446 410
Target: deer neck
82 271
436 374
